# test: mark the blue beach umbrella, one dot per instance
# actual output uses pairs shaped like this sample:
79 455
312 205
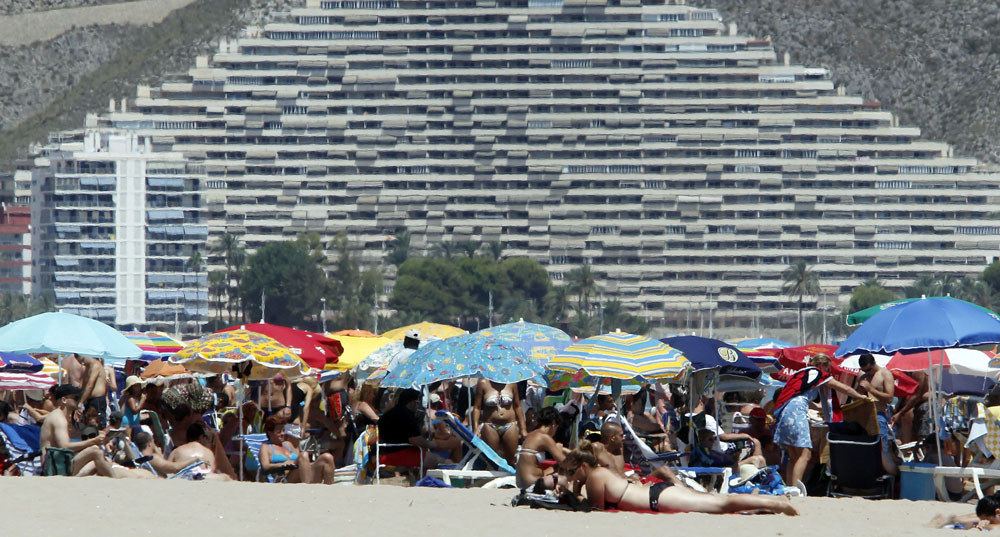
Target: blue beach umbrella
470 355
759 343
19 363
65 333
922 325
708 353
538 341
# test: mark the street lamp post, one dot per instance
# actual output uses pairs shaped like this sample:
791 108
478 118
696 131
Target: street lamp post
323 315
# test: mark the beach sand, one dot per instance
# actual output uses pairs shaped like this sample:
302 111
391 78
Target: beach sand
107 507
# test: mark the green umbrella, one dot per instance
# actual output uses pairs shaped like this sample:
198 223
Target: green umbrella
859 317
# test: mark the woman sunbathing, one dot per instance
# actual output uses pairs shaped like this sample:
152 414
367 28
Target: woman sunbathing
276 454
531 454
497 417
606 490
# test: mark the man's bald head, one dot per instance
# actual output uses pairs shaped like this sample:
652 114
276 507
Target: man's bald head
611 436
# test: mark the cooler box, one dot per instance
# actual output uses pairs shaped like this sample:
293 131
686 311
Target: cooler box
916 485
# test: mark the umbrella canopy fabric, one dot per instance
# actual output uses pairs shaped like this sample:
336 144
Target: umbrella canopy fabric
953 384
538 341
928 323
19 363
622 356
154 345
860 317
426 330
469 355
355 350
354 333
376 364
218 353
25 381
164 370
65 333
960 361
708 353
316 350
581 382
796 358
759 343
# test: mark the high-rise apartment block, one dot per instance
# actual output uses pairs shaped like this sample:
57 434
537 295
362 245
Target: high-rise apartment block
115 224
686 163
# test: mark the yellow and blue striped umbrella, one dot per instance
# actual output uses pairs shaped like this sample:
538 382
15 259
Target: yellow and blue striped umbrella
622 356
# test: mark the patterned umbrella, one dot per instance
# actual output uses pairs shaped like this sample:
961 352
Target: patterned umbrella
470 355
154 345
219 353
163 370
355 350
376 364
426 330
622 356
536 340
316 349
18 363
356 332
581 382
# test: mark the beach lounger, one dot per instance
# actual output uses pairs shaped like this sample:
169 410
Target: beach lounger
23 443
856 467
478 453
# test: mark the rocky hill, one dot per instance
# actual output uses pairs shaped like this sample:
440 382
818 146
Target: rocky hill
933 62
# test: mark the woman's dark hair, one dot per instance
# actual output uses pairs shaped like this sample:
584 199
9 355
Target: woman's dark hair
195 431
5 408
549 416
272 423
988 506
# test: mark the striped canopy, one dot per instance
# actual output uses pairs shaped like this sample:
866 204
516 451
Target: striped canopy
154 345
621 356
25 381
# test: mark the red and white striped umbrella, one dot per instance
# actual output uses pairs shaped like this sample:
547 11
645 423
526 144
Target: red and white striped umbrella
25 381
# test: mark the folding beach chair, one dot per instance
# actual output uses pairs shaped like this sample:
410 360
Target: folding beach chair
478 453
856 467
23 443
252 443
647 460
380 461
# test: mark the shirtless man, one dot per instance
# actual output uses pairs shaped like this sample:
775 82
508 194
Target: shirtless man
276 397
877 382
55 434
610 454
75 372
198 447
95 387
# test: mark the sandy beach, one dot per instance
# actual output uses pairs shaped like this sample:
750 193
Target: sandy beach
98 506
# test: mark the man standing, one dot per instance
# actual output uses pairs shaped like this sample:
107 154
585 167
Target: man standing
55 441
95 387
877 382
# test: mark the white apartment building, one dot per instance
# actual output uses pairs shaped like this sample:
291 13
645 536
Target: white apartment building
114 224
686 163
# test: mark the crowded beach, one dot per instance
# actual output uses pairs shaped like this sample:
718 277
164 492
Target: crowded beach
905 408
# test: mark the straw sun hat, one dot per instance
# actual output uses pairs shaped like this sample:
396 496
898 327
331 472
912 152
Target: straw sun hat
747 472
132 380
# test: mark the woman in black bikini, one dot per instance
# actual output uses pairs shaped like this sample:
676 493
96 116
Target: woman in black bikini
607 490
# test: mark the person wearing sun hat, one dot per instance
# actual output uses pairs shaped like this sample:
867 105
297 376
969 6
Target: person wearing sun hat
132 400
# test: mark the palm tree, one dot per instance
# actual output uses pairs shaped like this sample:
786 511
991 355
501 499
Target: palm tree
800 281
494 250
950 285
195 263
557 303
582 282
469 248
925 285
217 285
226 248
445 249
399 248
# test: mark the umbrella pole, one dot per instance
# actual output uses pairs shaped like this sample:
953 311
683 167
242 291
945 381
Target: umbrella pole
243 432
932 401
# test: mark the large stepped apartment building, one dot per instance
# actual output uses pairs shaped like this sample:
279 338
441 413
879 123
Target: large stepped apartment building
684 162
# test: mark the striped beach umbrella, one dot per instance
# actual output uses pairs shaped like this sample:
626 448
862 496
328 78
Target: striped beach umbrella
154 345
622 356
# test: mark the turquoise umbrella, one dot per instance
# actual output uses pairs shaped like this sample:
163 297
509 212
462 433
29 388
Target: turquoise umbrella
470 355
538 341
65 333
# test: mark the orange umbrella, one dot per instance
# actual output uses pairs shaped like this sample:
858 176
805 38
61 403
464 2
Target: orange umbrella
164 370
354 333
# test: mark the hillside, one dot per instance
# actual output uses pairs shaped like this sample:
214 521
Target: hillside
935 63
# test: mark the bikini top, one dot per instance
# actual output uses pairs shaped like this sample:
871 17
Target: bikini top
278 458
499 398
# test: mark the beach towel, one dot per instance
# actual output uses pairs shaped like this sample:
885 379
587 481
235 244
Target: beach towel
432 482
566 502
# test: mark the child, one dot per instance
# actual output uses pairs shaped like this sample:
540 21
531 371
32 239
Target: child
988 512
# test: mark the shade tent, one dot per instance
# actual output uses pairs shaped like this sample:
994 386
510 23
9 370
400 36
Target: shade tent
65 333
316 350
708 353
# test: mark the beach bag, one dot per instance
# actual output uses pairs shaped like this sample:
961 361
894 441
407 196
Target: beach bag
58 461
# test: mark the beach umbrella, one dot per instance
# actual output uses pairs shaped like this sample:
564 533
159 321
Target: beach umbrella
154 345
469 355
250 355
960 361
162 369
19 363
708 353
316 350
759 343
860 317
354 333
378 363
924 324
426 330
25 381
622 356
65 333
581 382
355 350
538 341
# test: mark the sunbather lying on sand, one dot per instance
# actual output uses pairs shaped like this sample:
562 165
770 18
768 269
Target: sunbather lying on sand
987 517
606 490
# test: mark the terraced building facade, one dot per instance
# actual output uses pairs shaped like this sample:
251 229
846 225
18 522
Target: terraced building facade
686 163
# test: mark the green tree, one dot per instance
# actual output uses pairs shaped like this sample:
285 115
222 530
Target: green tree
800 281
195 263
314 244
615 317
583 283
217 287
866 296
991 277
445 249
925 285
494 250
291 284
469 248
431 288
234 256
399 248
557 304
